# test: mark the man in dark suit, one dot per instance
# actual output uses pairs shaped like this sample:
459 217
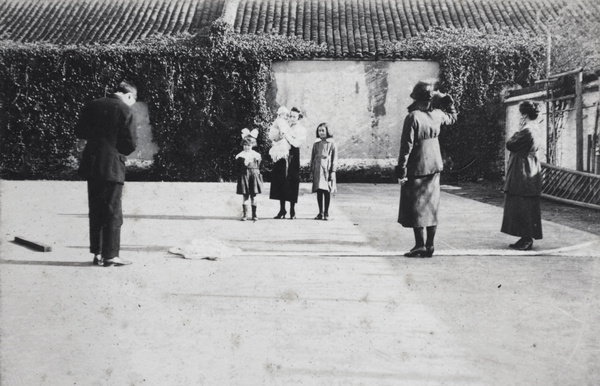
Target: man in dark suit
107 124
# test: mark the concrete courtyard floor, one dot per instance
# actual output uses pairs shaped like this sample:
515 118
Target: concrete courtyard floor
304 302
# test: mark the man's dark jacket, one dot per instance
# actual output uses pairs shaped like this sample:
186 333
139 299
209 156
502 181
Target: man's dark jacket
108 126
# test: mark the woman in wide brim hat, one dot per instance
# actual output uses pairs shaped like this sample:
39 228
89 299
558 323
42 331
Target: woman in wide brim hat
420 164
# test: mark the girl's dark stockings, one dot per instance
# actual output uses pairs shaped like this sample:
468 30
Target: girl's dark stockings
320 200
323 195
327 200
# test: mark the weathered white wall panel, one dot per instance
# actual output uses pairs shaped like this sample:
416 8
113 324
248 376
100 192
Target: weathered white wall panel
364 102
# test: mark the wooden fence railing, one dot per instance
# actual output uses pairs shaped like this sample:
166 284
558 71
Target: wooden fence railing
570 186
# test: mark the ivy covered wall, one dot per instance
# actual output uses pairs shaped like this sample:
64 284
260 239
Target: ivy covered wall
200 96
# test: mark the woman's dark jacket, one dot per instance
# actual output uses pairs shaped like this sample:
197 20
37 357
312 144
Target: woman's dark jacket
523 171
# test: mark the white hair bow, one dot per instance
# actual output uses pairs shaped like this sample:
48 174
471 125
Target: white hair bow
253 133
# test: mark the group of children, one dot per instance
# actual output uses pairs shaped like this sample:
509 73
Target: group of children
323 164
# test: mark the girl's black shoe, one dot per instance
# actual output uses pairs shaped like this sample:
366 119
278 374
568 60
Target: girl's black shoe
280 215
319 216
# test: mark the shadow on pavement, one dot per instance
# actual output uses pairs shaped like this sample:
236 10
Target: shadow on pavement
160 217
45 262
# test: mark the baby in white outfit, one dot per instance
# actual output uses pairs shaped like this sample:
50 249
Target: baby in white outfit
280 126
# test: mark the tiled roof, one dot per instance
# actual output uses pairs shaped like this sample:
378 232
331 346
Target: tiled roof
104 21
347 27
359 27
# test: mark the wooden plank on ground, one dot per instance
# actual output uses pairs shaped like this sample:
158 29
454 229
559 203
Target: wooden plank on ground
33 244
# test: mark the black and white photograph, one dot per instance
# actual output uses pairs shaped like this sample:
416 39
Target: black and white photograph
300 192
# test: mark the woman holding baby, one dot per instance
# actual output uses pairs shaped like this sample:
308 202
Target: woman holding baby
287 135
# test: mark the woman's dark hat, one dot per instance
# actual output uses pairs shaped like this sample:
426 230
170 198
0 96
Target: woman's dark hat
423 91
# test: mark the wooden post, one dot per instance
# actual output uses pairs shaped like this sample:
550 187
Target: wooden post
579 118
590 153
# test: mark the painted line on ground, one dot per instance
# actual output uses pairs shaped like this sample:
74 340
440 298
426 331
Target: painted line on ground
454 252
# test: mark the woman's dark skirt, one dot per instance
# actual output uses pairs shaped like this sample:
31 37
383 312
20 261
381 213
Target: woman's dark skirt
420 201
522 216
285 177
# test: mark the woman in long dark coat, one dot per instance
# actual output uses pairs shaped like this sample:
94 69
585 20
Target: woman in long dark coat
523 186
420 164
285 178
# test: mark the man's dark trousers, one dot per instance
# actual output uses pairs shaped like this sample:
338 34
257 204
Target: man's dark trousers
106 217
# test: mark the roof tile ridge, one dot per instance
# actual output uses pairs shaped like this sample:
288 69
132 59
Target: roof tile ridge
300 14
239 17
382 21
12 17
50 29
293 9
167 21
88 31
391 21
159 19
146 28
515 17
189 16
306 23
32 22
134 22
116 32
473 12
270 14
422 11
483 16
7 8
499 20
349 28
371 39
254 17
455 15
262 21
376 23
321 23
467 20
106 21
181 17
285 17
404 22
343 30
243 14
337 15
277 17
412 22
530 17
314 21
81 23
436 17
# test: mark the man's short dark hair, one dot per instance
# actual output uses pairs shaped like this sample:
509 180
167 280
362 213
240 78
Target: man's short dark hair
126 87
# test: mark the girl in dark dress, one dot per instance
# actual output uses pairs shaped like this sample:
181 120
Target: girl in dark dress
523 186
285 180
